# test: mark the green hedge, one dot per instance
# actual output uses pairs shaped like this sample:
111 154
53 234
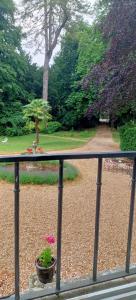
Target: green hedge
128 137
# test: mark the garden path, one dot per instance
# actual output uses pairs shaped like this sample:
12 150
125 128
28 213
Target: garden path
38 215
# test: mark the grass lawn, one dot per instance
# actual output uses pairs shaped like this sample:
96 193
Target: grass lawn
83 134
115 135
58 141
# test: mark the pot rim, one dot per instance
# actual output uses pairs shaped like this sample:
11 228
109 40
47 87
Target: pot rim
43 268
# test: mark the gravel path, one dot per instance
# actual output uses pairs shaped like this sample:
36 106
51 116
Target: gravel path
38 207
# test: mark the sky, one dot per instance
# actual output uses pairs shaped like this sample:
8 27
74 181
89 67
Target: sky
39 58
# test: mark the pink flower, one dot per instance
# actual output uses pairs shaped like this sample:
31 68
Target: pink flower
50 239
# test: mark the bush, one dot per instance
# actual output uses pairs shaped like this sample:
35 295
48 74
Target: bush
12 131
53 127
128 137
11 120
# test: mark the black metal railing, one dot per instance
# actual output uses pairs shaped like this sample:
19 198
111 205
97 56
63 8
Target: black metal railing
61 157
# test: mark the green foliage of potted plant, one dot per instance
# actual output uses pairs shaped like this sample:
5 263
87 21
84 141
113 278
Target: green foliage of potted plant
45 262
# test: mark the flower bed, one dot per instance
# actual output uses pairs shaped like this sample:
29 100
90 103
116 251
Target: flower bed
38 172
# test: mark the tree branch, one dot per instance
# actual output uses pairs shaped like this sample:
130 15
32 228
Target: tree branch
57 34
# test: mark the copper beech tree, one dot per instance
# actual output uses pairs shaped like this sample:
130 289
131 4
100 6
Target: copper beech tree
115 77
44 21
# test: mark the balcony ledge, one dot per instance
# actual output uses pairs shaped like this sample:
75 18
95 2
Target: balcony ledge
123 288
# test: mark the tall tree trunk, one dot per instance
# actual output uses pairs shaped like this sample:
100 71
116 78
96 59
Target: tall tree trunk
45 77
37 131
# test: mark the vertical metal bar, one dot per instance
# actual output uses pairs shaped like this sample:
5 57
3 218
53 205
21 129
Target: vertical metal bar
59 225
16 230
97 218
131 217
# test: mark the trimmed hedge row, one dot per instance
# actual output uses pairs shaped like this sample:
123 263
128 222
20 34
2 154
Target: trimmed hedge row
128 137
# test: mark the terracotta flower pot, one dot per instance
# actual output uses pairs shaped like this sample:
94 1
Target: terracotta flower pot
45 275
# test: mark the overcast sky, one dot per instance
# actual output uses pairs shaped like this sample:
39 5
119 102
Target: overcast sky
39 58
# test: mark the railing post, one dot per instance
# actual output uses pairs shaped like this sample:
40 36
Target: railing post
59 226
131 217
97 218
16 230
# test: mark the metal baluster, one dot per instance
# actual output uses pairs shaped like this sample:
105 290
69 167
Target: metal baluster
16 230
131 217
97 220
59 226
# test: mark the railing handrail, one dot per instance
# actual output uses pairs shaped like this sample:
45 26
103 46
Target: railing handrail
67 156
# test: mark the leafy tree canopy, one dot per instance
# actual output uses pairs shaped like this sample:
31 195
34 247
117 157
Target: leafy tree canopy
19 79
82 47
115 76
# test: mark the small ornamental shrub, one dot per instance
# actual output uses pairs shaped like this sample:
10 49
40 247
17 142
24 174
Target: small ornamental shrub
14 131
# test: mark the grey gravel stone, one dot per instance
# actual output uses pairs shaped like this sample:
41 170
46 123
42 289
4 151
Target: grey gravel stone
34 283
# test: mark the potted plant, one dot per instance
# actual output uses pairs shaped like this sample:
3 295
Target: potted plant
45 262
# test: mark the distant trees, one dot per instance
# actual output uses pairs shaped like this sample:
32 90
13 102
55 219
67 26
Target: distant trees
62 73
19 79
81 48
48 19
93 74
102 81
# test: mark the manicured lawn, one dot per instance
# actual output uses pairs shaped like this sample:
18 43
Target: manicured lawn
115 135
57 141
83 134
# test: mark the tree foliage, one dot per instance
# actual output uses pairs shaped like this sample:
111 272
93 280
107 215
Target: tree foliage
19 79
93 74
91 49
62 73
115 76
82 47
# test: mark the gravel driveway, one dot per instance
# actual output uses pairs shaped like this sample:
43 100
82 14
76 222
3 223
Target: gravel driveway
38 215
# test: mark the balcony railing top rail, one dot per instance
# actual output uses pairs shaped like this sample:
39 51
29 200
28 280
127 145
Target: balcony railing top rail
61 157
67 155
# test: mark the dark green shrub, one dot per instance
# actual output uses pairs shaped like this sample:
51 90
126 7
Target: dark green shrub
11 120
128 137
13 131
53 127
